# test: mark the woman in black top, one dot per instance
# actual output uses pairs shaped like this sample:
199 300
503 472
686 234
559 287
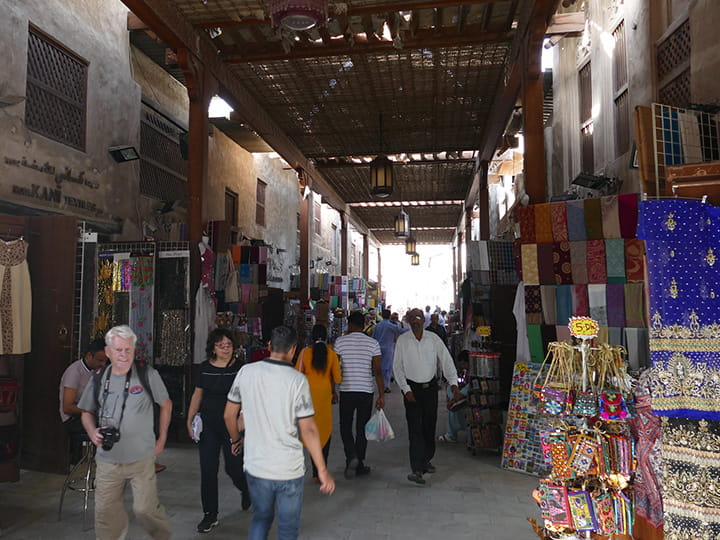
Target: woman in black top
211 388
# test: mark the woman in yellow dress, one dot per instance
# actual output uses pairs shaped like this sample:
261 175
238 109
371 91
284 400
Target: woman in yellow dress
321 366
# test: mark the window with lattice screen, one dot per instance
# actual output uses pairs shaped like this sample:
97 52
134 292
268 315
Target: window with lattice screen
163 170
587 154
56 90
673 67
620 91
260 203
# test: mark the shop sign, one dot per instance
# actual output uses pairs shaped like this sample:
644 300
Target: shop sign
59 177
583 327
483 331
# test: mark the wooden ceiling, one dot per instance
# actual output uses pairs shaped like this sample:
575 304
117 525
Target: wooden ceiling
420 81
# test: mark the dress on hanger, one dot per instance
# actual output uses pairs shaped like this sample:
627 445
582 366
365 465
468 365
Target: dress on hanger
15 298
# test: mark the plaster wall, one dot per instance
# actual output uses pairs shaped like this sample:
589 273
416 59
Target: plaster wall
326 245
163 91
96 31
705 61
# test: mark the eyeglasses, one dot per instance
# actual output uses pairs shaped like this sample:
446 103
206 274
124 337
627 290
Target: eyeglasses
224 345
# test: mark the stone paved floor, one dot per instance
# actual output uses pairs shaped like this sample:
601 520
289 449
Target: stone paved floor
470 497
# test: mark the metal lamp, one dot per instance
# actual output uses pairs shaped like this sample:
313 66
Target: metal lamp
381 176
402 225
415 259
298 15
410 246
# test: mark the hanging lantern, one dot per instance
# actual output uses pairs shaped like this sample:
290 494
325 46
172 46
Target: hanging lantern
410 246
298 15
415 259
381 176
402 225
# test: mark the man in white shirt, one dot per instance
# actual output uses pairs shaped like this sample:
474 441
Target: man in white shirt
427 315
417 356
360 358
276 410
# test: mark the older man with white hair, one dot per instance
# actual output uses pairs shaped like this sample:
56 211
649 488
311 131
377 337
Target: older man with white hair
117 413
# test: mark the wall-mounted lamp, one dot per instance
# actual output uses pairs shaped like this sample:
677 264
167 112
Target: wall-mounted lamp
122 154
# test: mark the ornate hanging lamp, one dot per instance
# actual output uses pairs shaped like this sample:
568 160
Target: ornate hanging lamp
410 246
402 224
415 259
298 15
381 172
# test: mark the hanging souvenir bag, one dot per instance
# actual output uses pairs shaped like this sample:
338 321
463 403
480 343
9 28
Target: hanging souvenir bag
604 512
555 396
612 406
583 454
612 379
581 510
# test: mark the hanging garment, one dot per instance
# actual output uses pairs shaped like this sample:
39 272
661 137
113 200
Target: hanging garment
562 267
682 239
576 220
628 211
690 452
610 216
578 262
204 322
558 218
645 429
593 219
615 260
15 298
525 215
530 273
142 277
543 223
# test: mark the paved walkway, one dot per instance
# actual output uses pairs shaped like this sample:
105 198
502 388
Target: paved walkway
470 497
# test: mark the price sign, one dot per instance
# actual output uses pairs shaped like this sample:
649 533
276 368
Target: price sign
583 327
483 331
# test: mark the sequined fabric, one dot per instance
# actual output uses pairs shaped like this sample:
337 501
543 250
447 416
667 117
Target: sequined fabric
681 239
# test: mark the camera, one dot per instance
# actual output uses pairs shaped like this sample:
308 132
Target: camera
110 436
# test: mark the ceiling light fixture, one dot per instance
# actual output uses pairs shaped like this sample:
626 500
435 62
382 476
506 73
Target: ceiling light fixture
298 15
415 259
410 246
402 224
381 172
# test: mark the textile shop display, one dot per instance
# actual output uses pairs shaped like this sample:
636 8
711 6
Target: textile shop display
590 463
15 297
682 240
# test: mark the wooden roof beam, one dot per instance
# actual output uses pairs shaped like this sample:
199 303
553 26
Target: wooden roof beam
424 39
367 25
351 164
356 10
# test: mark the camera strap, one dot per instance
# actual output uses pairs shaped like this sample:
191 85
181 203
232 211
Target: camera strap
106 391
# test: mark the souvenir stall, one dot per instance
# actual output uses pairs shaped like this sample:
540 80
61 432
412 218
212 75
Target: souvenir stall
683 239
588 450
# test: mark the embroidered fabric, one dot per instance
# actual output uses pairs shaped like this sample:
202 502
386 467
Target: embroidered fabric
15 298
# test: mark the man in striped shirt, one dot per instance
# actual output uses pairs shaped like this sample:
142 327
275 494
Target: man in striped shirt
360 362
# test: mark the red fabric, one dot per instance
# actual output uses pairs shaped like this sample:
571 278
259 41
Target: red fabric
628 204
558 219
596 266
580 301
526 218
634 263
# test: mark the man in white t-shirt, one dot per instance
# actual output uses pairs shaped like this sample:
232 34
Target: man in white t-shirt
360 361
276 411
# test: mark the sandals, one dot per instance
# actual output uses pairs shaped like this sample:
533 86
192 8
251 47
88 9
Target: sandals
445 438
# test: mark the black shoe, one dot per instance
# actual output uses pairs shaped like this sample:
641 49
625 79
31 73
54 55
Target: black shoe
362 470
350 467
209 521
246 502
430 468
387 390
416 477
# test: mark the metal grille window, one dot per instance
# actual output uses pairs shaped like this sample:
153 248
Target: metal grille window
586 123
673 67
260 203
163 171
56 93
620 91
317 208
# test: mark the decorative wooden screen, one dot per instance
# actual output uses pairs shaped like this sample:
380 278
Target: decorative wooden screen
620 91
56 91
260 203
586 123
163 171
673 67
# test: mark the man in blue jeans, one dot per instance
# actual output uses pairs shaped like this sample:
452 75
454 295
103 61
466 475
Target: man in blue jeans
275 401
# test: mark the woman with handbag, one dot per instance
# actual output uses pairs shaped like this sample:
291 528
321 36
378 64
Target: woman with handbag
321 366
214 380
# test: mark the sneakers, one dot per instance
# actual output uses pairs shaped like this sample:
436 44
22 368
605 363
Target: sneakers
351 467
416 476
245 504
208 523
430 468
362 470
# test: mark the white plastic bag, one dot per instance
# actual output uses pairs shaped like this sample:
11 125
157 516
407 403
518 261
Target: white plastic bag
378 427
197 427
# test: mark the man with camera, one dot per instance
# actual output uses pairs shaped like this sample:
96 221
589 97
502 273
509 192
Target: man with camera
117 413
